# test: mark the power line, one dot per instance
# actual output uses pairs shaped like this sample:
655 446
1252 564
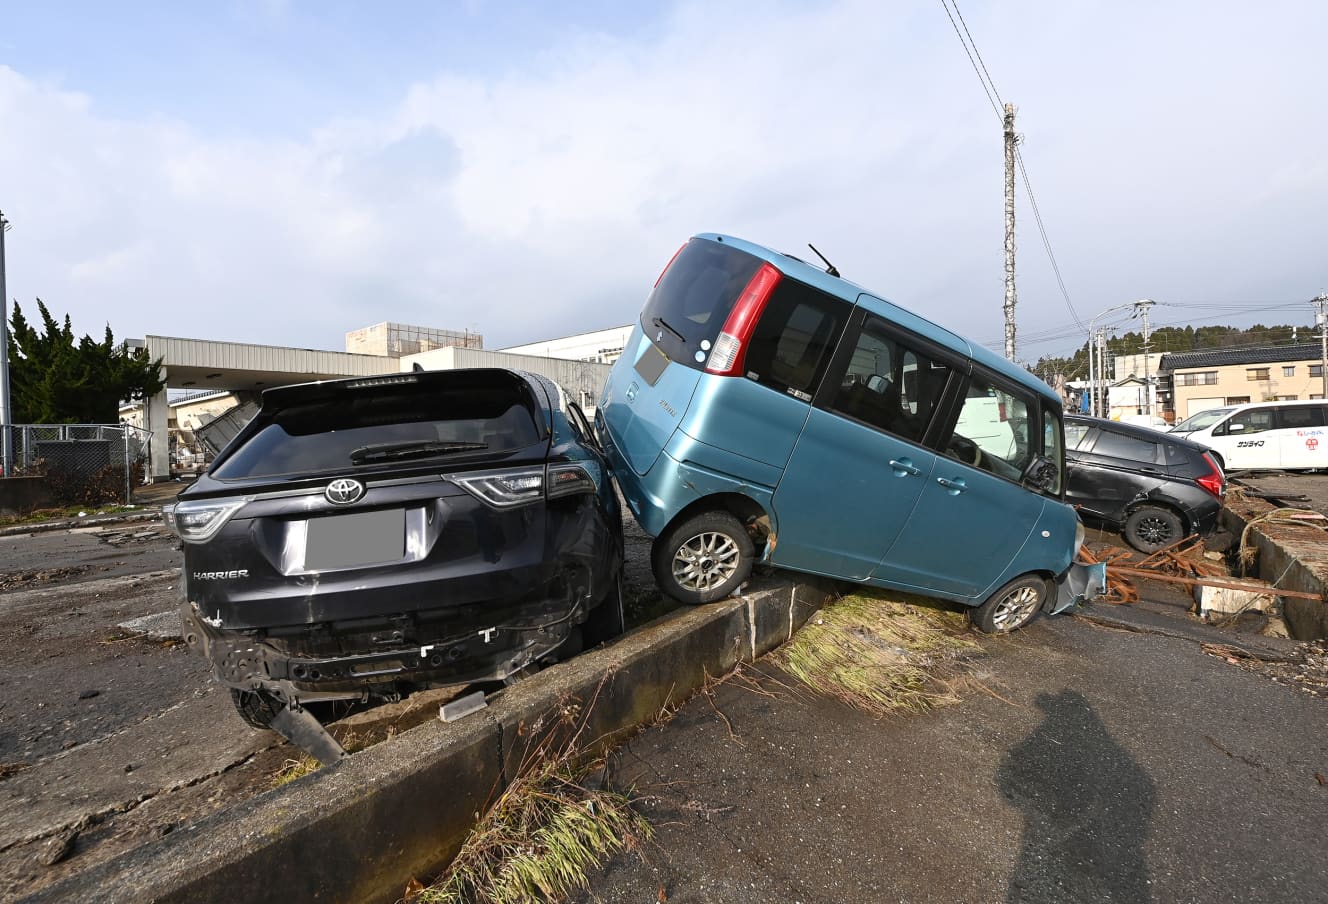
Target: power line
989 91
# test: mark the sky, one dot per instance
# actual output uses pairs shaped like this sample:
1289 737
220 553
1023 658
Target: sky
282 172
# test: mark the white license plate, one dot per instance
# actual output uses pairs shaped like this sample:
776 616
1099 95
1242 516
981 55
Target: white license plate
362 538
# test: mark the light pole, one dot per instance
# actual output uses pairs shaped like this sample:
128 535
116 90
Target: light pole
1093 400
6 416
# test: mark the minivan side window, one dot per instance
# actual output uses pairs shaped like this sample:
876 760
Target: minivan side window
1298 416
992 430
795 339
1256 420
889 386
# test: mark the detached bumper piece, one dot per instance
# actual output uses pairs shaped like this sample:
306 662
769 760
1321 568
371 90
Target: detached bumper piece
1079 584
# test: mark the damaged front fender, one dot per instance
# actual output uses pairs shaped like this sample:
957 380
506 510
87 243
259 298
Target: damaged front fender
1080 583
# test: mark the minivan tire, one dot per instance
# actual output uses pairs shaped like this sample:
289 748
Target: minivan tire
703 558
1151 527
1013 606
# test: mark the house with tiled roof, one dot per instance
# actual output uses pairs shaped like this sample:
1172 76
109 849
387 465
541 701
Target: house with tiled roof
1211 378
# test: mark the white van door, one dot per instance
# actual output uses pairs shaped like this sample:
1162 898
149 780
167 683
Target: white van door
1302 436
1246 440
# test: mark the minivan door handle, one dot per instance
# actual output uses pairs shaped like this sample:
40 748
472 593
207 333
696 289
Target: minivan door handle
953 487
904 468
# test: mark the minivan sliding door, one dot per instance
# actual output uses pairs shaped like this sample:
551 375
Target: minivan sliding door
859 464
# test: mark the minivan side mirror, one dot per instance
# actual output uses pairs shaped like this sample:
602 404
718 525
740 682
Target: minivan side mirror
1041 473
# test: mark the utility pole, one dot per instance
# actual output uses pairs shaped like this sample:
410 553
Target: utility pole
1011 139
1321 320
6 413
1141 307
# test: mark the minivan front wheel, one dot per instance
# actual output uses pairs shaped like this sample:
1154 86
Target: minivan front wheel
1150 528
703 559
1011 607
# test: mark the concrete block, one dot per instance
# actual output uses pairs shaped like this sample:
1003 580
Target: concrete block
1227 601
355 832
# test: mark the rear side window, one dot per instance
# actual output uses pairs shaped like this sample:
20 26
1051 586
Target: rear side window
1129 448
792 345
1074 434
688 307
1300 416
889 385
389 424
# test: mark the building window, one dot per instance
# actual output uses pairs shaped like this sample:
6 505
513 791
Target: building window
1316 370
1201 378
1288 371
1238 400
1256 373
1286 398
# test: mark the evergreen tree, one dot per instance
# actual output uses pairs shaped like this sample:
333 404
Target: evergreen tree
55 380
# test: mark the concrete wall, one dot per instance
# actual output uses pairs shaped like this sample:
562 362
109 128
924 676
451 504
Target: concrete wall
581 380
600 346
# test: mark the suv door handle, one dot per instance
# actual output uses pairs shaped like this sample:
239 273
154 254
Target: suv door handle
904 468
953 487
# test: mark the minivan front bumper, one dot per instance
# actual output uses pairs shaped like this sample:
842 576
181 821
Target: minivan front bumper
1080 583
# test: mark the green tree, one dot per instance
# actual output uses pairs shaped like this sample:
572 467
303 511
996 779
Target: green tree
56 380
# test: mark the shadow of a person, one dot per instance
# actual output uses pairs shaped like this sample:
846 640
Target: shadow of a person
1087 806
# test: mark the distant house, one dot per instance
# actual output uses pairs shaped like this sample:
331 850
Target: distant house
1201 380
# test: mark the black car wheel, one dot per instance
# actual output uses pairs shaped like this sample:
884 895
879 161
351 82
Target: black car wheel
703 559
1011 607
1150 528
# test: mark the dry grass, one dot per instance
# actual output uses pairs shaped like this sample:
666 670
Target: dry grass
293 769
880 653
547 831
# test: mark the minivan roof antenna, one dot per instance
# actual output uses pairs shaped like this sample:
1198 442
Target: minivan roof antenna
829 267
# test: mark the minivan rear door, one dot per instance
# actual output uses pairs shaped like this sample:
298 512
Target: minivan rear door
860 463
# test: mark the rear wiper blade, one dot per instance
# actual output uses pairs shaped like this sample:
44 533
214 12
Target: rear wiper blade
396 451
660 321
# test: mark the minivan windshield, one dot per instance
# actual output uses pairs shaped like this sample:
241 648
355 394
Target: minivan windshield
1201 421
688 307
390 424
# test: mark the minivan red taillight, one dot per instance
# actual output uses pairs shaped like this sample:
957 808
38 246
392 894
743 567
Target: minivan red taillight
727 357
1213 481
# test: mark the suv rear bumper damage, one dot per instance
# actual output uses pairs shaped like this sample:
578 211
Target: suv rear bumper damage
298 666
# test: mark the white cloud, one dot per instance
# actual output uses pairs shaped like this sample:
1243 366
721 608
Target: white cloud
1173 155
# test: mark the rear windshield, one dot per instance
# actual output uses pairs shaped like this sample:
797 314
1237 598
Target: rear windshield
385 425
693 299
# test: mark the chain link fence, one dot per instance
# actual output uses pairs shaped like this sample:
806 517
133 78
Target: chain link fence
82 461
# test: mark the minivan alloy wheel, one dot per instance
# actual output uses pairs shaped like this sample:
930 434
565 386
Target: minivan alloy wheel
1012 606
1015 607
705 561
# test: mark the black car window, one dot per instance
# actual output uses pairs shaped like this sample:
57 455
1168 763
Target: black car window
375 426
693 298
1300 416
888 385
792 344
1129 448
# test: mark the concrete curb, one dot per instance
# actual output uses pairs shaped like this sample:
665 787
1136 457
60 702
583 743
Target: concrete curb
41 527
1291 556
357 832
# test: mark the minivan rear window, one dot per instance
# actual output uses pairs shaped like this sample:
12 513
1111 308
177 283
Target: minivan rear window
694 297
389 424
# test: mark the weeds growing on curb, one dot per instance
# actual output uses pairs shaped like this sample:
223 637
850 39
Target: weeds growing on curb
879 654
547 830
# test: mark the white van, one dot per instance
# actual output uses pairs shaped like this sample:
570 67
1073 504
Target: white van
1287 435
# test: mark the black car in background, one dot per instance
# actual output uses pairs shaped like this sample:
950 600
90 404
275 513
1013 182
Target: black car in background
363 538
1155 488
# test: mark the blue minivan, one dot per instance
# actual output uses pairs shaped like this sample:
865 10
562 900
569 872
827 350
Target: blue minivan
767 410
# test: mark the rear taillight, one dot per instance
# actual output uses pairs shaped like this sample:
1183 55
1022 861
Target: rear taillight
726 358
670 263
1213 481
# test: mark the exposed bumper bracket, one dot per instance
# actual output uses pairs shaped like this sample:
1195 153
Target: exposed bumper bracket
307 733
1079 584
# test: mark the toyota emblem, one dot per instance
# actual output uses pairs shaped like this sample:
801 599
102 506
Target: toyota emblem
343 491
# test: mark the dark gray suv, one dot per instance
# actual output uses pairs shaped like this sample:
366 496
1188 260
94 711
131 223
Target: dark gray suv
1155 488
363 538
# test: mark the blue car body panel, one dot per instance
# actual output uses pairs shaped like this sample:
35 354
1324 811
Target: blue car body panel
842 499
